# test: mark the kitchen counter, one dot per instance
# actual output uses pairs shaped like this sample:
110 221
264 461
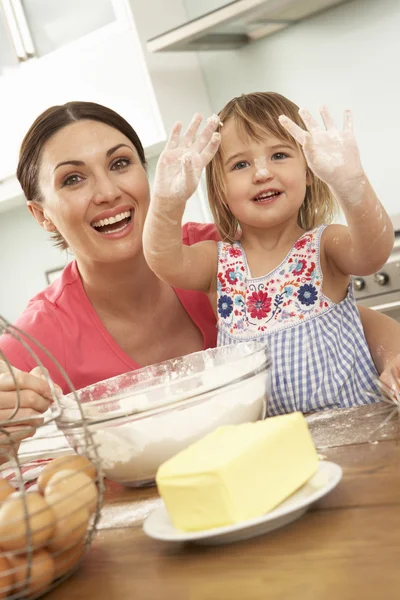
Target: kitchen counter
346 547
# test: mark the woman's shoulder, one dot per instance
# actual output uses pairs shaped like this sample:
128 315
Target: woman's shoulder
39 322
44 304
68 280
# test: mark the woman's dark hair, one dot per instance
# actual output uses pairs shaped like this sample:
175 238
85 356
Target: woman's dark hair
46 125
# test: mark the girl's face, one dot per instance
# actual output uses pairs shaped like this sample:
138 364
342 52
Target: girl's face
95 191
265 180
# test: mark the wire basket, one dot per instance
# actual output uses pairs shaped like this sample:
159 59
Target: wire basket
49 509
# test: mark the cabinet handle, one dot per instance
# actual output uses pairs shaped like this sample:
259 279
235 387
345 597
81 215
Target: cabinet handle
387 307
12 26
23 27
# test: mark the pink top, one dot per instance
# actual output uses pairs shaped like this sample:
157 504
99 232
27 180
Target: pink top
62 318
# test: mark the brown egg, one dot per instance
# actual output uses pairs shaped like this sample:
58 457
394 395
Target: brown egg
5 489
66 560
14 521
72 519
72 484
6 578
38 577
74 462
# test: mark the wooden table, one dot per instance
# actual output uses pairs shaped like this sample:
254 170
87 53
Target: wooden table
346 547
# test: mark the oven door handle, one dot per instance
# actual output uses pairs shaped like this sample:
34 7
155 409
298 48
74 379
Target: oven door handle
387 307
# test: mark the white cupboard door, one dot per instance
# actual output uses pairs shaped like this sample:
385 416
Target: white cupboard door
8 56
54 24
105 66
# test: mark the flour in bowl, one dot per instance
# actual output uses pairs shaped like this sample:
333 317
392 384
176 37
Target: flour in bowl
139 428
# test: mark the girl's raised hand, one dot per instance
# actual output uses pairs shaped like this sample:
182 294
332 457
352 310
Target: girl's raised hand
331 153
182 161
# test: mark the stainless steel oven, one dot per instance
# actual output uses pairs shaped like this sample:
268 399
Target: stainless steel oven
381 291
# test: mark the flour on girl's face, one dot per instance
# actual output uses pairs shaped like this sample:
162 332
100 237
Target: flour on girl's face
260 164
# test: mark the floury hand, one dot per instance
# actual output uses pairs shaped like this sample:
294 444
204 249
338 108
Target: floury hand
182 162
332 154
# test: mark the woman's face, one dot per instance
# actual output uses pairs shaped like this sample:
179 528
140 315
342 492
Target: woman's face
94 191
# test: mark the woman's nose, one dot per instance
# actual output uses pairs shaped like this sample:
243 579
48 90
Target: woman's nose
105 190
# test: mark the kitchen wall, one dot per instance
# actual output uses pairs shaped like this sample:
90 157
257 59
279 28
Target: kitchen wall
348 56
26 253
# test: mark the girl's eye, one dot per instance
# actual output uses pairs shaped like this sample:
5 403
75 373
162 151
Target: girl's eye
279 156
71 180
120 163
240 165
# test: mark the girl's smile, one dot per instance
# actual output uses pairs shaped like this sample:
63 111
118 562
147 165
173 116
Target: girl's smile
267 196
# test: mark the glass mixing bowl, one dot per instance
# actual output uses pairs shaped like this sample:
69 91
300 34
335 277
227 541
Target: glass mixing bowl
142 418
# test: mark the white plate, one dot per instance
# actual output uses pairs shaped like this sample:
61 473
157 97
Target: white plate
158 524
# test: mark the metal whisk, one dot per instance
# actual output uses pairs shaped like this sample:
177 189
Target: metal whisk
17 566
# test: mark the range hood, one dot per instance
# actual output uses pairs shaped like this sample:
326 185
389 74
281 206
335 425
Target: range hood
236 24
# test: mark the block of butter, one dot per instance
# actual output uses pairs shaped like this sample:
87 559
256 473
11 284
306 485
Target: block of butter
237 472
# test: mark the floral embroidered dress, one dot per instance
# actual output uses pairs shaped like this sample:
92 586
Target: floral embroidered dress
320 357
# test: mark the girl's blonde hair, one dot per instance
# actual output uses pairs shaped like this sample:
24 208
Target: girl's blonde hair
256 115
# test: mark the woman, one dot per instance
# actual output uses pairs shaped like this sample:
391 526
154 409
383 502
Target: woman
83 171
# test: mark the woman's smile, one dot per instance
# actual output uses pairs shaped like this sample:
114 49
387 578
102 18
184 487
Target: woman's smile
115 222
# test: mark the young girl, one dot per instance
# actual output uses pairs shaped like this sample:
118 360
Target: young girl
281 273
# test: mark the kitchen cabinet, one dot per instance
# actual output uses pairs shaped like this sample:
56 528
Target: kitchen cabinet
55 24
8 56
54 52
225 25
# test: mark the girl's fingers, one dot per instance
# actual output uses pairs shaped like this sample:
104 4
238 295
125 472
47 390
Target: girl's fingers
190 172
209 151
206 135
191 132
348 120
173 140
327 118
297 132
309 120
